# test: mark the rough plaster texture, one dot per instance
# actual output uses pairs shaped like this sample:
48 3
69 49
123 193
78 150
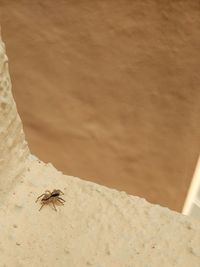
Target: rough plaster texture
96 227
13 147
113 88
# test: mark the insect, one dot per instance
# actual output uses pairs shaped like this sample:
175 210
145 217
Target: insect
51 198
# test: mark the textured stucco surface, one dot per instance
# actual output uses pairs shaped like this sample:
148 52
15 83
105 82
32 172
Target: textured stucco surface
96 227
13 147
113 88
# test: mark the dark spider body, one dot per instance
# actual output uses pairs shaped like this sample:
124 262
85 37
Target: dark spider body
51 197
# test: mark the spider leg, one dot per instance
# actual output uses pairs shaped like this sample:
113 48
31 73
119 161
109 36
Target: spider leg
54 206
60 198
61 192
42 206
39 197
60 201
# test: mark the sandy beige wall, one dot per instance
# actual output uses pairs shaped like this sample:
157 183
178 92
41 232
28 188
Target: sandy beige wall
109 90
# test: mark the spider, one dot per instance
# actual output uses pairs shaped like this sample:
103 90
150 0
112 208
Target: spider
51 197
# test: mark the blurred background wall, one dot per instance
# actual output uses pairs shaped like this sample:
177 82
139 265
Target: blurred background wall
109 90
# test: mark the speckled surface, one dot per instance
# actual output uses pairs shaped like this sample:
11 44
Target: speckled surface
96 227
13 147
113 87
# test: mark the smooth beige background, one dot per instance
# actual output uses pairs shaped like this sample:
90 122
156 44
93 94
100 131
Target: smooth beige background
109 90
